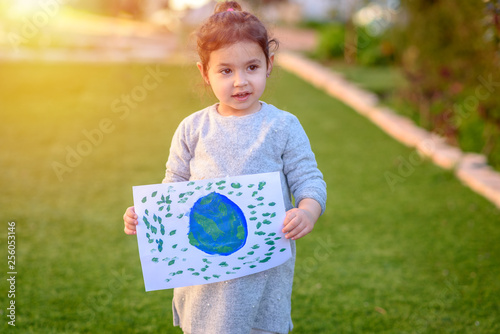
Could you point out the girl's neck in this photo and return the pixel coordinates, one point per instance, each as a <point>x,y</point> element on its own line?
<point>231,113</point>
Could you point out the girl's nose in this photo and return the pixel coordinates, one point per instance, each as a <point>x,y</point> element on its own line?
<point>240,80</point>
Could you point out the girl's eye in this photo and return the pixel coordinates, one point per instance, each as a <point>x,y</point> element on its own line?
<point>253,67</point>
<point>226,71</point>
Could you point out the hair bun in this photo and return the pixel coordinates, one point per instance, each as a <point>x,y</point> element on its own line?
<point>223,6</point>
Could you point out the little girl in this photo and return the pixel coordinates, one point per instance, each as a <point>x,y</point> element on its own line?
<point>242,135</point>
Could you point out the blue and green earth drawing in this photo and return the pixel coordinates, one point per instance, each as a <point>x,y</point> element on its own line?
<point>217,225</point>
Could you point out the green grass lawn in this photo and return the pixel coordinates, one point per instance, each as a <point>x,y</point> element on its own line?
<point>382,80</point>
<point>387,82</point>
<point>418,255</point>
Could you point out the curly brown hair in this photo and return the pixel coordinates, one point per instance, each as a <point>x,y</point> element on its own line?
<point>229,25</point>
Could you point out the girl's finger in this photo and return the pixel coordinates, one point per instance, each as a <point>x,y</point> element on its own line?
<point>305,231</point>
<point>292,223</point>
<point>293,232</point>
<point>129,231</point>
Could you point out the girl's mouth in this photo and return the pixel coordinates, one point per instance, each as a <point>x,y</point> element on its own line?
<point>241,96</point>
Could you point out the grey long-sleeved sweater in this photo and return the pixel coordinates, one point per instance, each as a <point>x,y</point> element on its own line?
<point>208,145</point>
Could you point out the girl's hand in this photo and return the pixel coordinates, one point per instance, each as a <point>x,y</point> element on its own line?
<point>130,221</point>
<point>300,221</point>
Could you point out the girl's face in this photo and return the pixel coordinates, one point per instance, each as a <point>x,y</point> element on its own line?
<point>237,75</point>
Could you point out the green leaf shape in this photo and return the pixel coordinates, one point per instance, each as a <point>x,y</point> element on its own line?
<point>145,220</point>
<point>209,226</point>
<point>265,260</point>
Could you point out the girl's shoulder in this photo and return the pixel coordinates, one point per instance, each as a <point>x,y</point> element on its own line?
<point>197,118</point>
<point>284,117</point>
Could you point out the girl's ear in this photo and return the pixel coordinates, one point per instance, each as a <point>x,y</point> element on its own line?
<point>202,72</point>
<point>270,66</point>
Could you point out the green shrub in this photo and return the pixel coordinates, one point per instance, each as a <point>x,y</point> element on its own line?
<point>369,49</point>
<point>373,50</point>
<point>331,42</point>
<point>450,56</point>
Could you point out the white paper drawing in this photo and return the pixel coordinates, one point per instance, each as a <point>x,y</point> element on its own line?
<point>207,231</point>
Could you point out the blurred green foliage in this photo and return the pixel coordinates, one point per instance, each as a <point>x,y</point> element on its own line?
<point>450,55</point>
<point>369,49</point>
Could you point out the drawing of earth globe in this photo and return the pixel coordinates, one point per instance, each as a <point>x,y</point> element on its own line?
<point>217,225</point>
